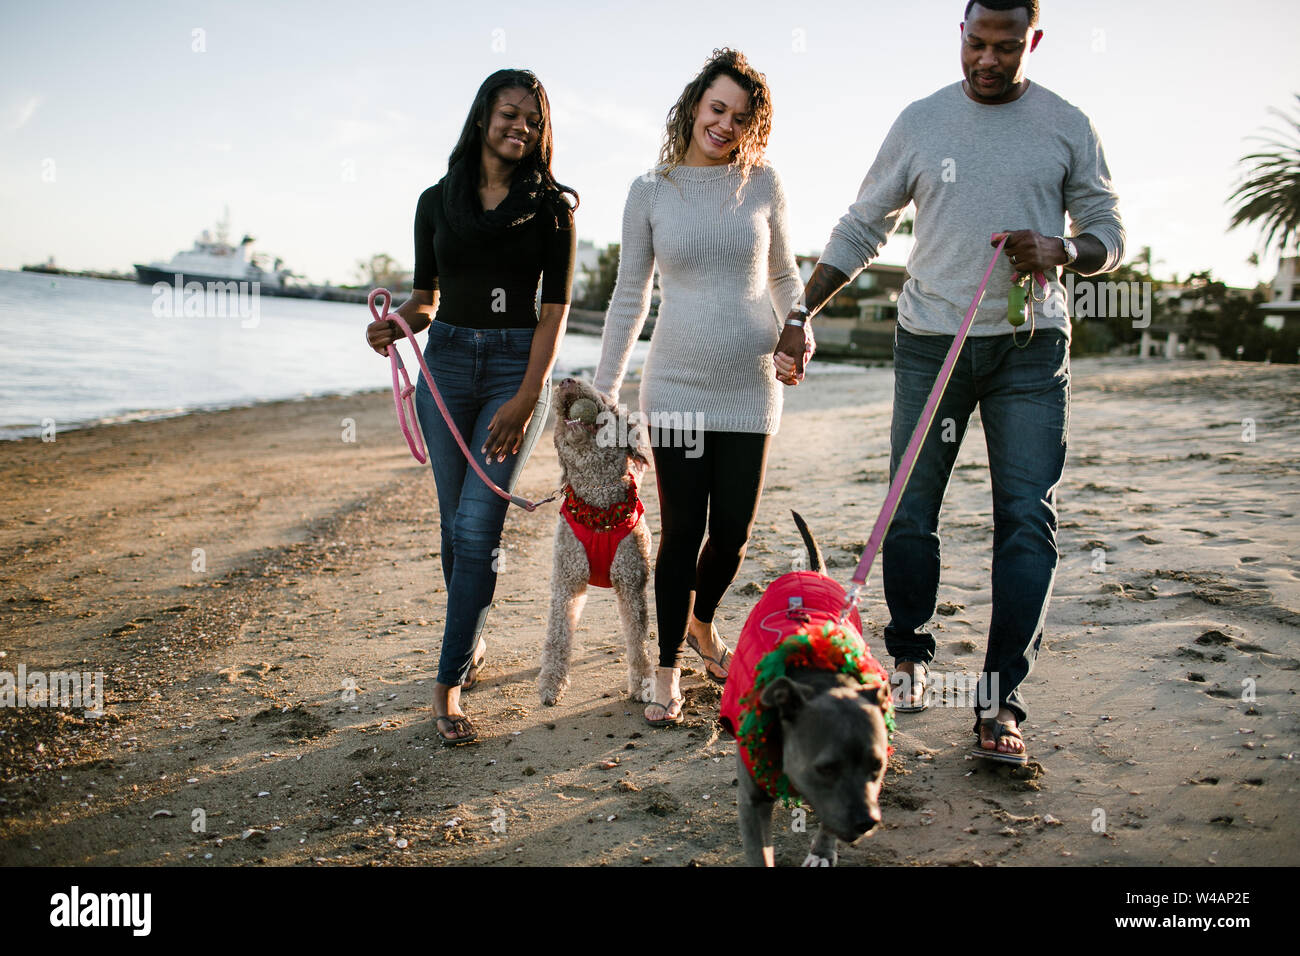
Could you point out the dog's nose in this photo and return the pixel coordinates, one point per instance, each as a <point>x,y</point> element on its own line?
<point>867,820</point>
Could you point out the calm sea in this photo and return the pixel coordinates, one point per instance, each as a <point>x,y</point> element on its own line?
<point>88,351</point>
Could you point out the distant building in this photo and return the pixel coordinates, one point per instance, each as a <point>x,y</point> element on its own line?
<point>589,256</point>
<point>873,294</point>
<point>1282,311</point>
<point>1172,337</point>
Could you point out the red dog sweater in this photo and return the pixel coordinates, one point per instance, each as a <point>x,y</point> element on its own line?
<point>794,624</point>
<point>601,530</point>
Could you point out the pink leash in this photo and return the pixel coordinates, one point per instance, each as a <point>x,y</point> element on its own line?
<point>403,390</point>
<point>913,451</point>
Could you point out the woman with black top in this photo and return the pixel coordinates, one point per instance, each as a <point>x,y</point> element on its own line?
<point>483,235</point>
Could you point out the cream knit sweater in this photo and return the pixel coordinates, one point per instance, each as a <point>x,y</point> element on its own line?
<point>727,277</point>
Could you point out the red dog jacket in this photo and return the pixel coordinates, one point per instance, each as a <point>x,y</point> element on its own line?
<point>601,530</point>
<point>801,601</point>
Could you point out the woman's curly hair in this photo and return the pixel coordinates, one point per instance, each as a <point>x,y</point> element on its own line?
<point>681,118</point>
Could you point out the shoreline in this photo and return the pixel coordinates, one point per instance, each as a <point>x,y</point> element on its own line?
<point>25,432</point>
<point>321,576</point>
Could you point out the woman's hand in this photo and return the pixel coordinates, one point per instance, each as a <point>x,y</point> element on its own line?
<point>417,311</point>
<point>382,333</point>
<point>789,355</point>
<point>506,430</point>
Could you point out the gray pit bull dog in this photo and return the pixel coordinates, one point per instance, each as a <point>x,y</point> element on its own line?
<point>834,746</point>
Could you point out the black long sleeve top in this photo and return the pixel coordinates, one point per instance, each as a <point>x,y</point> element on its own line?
<point>492,284</point>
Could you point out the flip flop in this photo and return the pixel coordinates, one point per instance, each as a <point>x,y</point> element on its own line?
<point>999,730</point>
<point>471,675</point>
<point>459,725</point>
<point>722,662</point>
<point>921,680</point>
<point>666,721</point>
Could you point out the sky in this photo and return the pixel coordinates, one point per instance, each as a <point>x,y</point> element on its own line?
<point>128,127</point>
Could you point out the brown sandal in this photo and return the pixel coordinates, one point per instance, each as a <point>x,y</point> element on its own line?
<point>460,725</point>
<point>723,661</point>
<point>1000,730</point>
<point>666,720</point>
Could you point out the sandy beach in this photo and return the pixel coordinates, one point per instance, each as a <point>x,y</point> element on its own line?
<point>265,601</point>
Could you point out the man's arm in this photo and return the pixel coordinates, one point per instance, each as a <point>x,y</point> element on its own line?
<point>789,353</point>
<point>854,242</point>
<point>1029,252</point>
<point>1093,205</point>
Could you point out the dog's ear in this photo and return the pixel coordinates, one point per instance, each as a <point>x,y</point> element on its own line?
<point>870,693</point>
<point>786,696</point>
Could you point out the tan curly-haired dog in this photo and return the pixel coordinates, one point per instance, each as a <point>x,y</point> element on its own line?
<point>601,537</point>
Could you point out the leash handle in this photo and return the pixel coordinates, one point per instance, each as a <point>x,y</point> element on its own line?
<point>908,461</point>
<point>403,390</point>
<point>402,394</point>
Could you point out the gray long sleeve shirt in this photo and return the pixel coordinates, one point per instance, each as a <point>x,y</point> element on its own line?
<point>728,277</point>
<point>974,170</point>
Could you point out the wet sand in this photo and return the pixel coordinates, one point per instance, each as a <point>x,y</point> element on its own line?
<point>265,598</point>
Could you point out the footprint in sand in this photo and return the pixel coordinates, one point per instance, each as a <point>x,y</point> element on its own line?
<point>246,672</point>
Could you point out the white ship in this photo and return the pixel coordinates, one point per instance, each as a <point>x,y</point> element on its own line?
<point>216,260</point>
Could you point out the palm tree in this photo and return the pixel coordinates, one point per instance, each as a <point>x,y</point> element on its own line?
<point>1270,192</point>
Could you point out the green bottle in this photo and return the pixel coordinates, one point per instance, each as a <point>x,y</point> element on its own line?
<point>1016,303</point>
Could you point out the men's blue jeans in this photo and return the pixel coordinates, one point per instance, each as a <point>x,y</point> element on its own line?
<point>1024,399</point>
<point>476,371</point>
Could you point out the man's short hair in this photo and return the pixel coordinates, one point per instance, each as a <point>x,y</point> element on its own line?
<point>1030,6</point>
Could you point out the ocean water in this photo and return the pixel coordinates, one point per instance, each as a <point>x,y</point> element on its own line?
<point>82,352</point>
<point>88,351</point>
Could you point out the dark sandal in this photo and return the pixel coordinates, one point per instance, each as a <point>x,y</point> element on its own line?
<point>1000,730</point>
<point>471,675</point>
<point>667,721</point>
<point>920,678</point>
<point>460,726</point>
<point>723,662</point>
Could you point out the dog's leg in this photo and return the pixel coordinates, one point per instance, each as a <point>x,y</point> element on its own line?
<point>630,575</point>
<point>568,595</point>
<point>823,850</point>
<point>553,679</point>
<point>755,819</point>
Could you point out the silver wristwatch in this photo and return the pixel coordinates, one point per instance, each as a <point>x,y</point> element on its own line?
<point>799,307</point>
<point>1071,250</point>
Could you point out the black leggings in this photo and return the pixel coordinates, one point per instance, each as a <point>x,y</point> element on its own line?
<point>721,477</point>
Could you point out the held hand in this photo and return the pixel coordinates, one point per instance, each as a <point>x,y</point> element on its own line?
<point>1030,252</point>
<point>789,355</point>
<point>382,333</point>
<point>506,430</point>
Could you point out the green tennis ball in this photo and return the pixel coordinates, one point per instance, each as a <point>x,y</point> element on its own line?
<point>584,410</point>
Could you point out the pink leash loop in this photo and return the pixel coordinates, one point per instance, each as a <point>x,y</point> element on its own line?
<point>402,395</point>
<point>403,390</point>
<point>908,461</point>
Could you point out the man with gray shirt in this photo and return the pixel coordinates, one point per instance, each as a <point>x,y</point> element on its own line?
<point>995,154</point>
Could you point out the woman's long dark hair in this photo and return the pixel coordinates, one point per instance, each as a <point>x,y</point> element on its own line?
<point>469,147</point>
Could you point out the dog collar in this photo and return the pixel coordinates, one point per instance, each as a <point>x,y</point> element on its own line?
<point>601,519</point>
<point>826,648</point>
